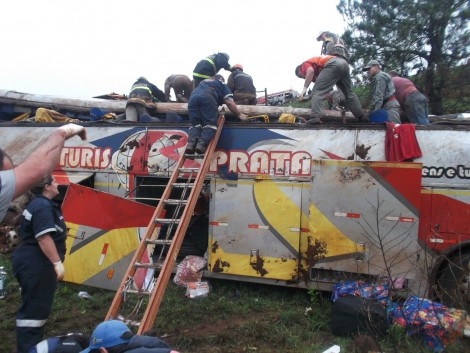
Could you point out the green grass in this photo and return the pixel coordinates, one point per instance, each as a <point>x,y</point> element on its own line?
<point>235,317</point>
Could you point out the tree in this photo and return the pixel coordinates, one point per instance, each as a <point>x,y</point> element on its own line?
<point>423,37</point>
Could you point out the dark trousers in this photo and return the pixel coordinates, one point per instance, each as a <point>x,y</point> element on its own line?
<point>38,283</point>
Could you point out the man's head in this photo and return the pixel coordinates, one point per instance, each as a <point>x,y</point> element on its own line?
<point>298,72</point>
<point>237,67</point>
<point>219,77</point>
<point>372,67</point>
<point>394,73</point>
<point>107,335</point>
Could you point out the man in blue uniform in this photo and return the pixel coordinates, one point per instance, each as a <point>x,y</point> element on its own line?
<point>203,110</point>
<point>208,67</point>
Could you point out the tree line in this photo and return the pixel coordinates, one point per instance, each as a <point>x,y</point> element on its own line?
<point>427,41</point>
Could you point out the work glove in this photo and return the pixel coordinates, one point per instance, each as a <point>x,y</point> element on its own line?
<point>243,117</point>
<point>72,130</point>
<point>304,90</point>
<point>59,270</point>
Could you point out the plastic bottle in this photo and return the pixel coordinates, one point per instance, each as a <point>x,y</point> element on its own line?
<point>3,282</point>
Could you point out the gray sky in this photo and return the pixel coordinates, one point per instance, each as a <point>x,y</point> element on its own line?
<point>87,48</point>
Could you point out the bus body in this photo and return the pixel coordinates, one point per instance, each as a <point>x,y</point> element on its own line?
<point>287,205</point>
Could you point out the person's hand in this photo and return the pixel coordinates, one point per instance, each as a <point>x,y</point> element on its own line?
<point>59,270</point>
<point>304,90</point>
<point>72,130</point>
<point>302,98</point>
<point>243,117</point>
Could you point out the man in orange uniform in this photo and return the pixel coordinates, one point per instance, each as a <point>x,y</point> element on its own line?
<point>327,71</point>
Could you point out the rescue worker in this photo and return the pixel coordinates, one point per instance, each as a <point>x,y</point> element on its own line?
<point>37,262</point>
<point>326,72</point>
<point>331,40</point>
<point>209,66</point>
<point>242,87</point>
<point>203,110</point>
<point>182,87</point>
<point>382,93</point>
<point>114,336</point>
<point>412,101</point>
<point>146,91</point>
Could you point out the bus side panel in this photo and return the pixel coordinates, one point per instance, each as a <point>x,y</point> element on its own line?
<point>363,222</point>
<point>255,228</point>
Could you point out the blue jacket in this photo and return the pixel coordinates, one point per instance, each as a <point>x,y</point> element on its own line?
<point>146,344</point>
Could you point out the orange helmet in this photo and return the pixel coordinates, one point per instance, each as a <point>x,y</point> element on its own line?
<point>238,66</point>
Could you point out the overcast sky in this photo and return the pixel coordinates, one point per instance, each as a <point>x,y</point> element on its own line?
<point>86,48</point>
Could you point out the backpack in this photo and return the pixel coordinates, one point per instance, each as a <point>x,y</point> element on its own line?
<point>341,51</point>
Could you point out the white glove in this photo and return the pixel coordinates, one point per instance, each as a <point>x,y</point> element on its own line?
<point>59,270</point>
<point>303,92</point>
<point>72,130</point>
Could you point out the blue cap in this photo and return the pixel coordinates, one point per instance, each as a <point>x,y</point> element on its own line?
<point>108,334</point>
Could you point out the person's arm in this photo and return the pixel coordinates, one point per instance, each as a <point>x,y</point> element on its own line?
<point>234,109</point>
<point>378,93</point>
<point>167,88</point>
<point>308,80</point>
<point>231,82</point>
<point>49,249</point>
<point>42,161</point>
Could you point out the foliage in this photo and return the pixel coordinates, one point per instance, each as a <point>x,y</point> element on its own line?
<point>235,317</point>
<point>428,38</point>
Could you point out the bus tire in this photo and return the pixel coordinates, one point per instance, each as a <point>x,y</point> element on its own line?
<point>454,282</point>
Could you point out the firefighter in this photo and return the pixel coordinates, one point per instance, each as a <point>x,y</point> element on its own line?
<point>203,110</point>
<point>242,87</point>
<point>209,66</point>
<point>142,92</point>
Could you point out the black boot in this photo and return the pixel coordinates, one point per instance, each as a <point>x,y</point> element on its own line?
<point>201,148</point>
<point>190,148</point>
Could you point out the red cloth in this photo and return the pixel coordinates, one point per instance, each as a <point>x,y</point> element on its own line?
<point>401,143</point>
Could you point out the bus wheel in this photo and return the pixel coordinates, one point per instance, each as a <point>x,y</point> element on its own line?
<point>454,282</point>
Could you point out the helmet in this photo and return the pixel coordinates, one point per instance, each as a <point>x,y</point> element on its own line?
<point>142,78</point>
<point>226,55</point>
<point>238,66</point>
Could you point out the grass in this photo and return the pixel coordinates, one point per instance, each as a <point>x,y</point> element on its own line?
<point>235,317</point>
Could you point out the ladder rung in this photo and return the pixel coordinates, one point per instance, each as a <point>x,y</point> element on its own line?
<point>175,202</point>
<point>167,220</point>
<point>159,241</point>
<point>183,185</point>
<point>189,170</point>
<point>156,266</point>
<point>135,291</point>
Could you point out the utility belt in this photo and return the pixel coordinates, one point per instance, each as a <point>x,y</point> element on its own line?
<point>392,97</point>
